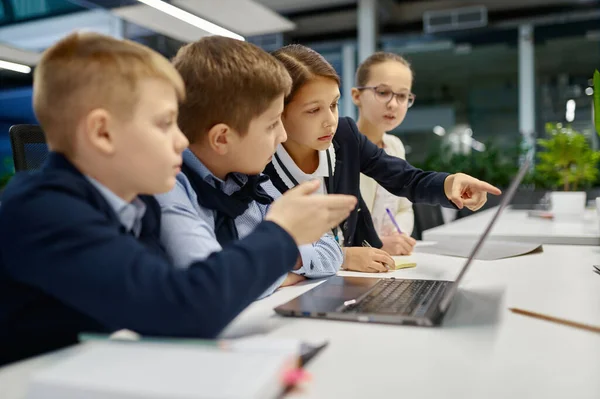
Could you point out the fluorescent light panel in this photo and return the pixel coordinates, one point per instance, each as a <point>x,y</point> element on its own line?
<point>191,18</point>
<point>14,67</point>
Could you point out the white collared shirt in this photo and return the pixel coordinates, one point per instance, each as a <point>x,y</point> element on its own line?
<point>320,173</point>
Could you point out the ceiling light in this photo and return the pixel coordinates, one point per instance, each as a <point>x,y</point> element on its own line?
<point>191,18</point>
<point>14,67</point>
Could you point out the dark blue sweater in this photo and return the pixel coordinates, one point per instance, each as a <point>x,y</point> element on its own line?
<point>67,266</point>
<point>355,154</point>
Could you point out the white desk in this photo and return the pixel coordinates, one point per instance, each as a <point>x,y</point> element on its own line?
<point>481,351</point>
<point>515,225</point>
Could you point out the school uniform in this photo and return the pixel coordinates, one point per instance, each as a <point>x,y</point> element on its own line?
<point>76,258</point>
<point>351,154</point>
<point>204,214</point>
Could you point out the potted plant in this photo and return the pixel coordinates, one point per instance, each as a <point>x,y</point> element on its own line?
<point>567,161</point>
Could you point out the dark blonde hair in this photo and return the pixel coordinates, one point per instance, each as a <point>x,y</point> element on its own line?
<point>228,81</point>
<point>304,64</point>
<point>85,71</point>
<point>364,70</point>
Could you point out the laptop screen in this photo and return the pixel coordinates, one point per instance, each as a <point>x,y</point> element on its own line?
<point>508,196</point>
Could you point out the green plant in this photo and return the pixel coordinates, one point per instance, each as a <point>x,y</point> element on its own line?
<point>566,161</point>
<point>9,172</point>
<point>496,165</point>
<point>597,100</point>
<point>4,179</point>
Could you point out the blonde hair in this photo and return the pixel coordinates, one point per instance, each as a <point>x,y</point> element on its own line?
<point>86,71</point>
<point>228,81</point>
<point>363,73</point>
<point>304,64</point>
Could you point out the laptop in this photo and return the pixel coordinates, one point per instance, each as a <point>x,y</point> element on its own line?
<point>390,300</point>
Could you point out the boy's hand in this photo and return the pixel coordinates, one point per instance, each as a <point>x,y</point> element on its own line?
<point>464,190</point>
<point>368,260</point>
<point>292,279</point>
<point>306,217</point>
<point>398,244</point>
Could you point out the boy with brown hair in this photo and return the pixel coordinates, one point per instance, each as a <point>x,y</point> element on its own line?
<point>232,118</point>
<point>80,244</point>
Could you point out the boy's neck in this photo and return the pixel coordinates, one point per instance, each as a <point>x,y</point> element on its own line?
<point>374,134</point>
<point>125,194</point>
<point>306,158</point>
<point>214,163</point>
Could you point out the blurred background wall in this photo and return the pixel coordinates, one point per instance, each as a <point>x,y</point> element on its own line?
<point>489,74</point>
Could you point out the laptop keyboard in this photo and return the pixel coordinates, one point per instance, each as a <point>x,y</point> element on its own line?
<point>397,296</point>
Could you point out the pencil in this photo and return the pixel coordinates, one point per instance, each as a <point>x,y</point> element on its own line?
<point>556,320</point>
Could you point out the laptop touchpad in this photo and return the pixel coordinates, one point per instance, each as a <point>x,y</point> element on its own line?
<point>331,294</point>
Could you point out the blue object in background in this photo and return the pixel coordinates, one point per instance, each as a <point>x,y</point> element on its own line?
<point>16,105</point>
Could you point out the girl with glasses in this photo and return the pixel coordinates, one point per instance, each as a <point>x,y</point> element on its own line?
<point>383,96</point>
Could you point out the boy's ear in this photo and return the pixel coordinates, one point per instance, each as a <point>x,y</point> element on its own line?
<point>220,138</point>
<point>356,96</point>
<point>97,130</point>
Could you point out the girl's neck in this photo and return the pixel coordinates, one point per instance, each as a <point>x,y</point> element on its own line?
<point>374,134</point>
<point>306,158</point>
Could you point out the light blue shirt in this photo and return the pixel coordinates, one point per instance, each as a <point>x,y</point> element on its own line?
<point>188,230</point>
<point>130,214</point>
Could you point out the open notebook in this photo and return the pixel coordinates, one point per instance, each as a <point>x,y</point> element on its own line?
<point>158,370</point>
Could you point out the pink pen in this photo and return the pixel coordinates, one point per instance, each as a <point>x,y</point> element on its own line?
<point>294,376</point>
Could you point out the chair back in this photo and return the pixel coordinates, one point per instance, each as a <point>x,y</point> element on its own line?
<point>29,147</point>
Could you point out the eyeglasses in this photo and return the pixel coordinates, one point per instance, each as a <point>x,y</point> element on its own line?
<point>385,94</point>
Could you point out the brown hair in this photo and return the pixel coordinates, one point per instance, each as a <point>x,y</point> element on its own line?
<point>228,81</point>
<point>303,64</point>
<point>364,69</point>
<point>85,71</point>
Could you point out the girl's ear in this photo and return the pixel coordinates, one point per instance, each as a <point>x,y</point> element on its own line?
<point>356,96</point>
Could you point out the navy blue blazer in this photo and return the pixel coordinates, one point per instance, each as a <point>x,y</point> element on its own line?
<point>355,154</point>
<point>67,266</point>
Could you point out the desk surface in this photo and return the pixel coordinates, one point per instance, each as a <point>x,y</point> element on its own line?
<point>516,225</point>
<point>481,351</point>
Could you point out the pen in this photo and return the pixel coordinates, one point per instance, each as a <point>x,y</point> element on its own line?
<point>393,219</point>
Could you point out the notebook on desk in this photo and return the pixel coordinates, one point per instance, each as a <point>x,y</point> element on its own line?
<point>119,370</point>
<point>404,262</point>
